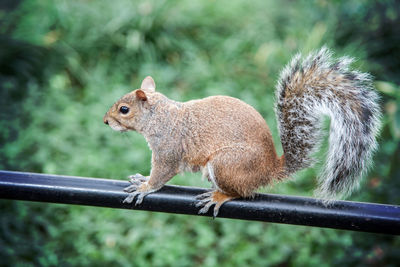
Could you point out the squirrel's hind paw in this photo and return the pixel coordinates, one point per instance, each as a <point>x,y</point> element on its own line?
<point>212,198</point>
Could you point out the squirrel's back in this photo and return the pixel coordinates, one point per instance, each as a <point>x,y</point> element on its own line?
<point>318,85</point>
<point>226,121</point>
<point>228,116</point>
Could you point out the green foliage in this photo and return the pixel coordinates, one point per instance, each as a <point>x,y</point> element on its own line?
<point>63,63</point>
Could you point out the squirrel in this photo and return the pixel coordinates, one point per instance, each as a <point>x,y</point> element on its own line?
<point>231,144</point>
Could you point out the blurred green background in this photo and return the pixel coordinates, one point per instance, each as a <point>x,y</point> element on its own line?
<point>63,64</point>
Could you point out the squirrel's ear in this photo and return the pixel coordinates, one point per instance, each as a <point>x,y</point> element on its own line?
<point>148,84</point>
<point>140,95</point>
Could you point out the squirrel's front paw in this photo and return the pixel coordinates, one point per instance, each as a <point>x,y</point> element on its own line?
<point>139,188</point>
<point>137,178</point>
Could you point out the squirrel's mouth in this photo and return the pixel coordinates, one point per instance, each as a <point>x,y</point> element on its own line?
<point>116,125</point>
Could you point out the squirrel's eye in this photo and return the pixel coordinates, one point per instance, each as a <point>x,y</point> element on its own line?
<point>124,109</point>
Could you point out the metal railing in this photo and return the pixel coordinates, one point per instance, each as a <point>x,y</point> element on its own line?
<point>367,217</point>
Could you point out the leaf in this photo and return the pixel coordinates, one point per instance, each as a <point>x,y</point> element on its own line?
<point>388,88</point>
<point>396,123</point>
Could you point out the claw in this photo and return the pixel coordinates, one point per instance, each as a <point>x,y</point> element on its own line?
<point>131,188</point>
<point>137,189</point>
<point>137,178</point>
<point>204,195</point>
<point>140,197</point>
<point>203,202</point>
<point>206,207</point>
<point>206,200</point>
<point>216,209</point>
<point>135,183</point>
<point>130,198</point>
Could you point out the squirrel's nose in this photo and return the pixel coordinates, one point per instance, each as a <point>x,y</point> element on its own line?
<point>105,121</point>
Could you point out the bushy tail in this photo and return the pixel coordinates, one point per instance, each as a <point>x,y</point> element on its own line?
<point>318,85</point>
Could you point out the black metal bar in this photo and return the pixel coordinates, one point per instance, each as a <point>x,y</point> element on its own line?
<point>367,217</point>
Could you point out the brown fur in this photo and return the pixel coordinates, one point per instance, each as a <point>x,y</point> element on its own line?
<point>222,131</point>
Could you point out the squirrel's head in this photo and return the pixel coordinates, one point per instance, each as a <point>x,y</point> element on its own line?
<point>129,111</point>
